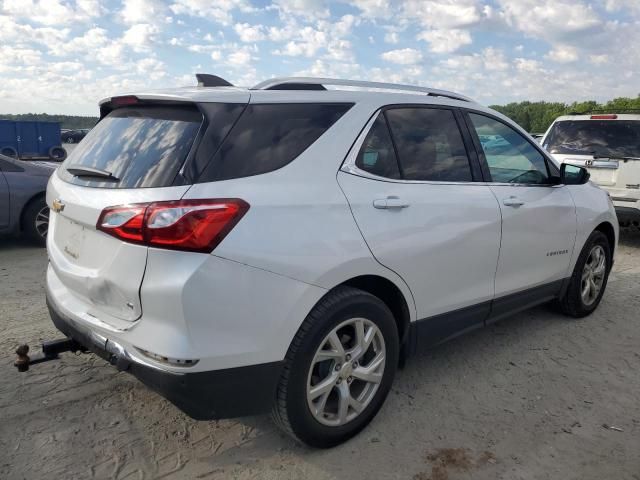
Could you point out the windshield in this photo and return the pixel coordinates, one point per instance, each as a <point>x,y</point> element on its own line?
<point>618,138</point>
<point>142,146</point>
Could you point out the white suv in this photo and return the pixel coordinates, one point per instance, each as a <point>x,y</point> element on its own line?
<point>608,145</point>
<point>285,247</point>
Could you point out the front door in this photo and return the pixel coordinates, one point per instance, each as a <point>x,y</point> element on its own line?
<point>538,215</point>
<point>422,215</point>
<point>4,200</point>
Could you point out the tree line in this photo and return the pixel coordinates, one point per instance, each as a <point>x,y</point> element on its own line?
<point>534,117</point>
<point>66,121</point>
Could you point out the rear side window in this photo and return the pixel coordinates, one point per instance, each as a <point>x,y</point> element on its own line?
<point>141,146</point>
<point>377,155</point>
<point>269,136</point>
<point>429,144</point>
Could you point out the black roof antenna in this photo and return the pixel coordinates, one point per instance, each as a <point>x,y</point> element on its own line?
<point>207,80</point>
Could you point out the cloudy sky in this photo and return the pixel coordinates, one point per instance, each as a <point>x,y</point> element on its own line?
<point>62,56</point>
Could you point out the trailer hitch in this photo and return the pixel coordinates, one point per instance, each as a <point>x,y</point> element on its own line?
<point>50,351</point>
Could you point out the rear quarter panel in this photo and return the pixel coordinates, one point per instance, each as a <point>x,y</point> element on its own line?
<point>299,223</point>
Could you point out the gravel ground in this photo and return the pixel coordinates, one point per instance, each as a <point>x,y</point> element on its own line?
<point>538,396</point>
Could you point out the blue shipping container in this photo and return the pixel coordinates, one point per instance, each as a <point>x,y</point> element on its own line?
<point>31,139</point>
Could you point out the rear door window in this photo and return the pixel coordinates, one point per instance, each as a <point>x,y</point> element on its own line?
<point>142,146</point>
<point>429,144</point>
<point>267,137</point>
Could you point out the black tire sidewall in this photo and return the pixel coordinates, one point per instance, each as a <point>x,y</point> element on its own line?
<point>302,422</point>
<point>28,219</point>
<point>574,299</point>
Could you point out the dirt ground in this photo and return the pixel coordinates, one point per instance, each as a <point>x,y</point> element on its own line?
<point>538,396</point>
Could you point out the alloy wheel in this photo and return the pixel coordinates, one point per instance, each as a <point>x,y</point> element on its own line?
<point>41,222</point>
<point>346,372</point>
<point>593,275</point>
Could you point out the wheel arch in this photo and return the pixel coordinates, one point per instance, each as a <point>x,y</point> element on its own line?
<point>610,233</point>
<point>391,295</point>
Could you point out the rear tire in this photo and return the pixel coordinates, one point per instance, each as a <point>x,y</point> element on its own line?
<point>354,376</point>
<point>57,154</point>
<point>589,279</point>
<point>35,221</point>
<point>9,152</point>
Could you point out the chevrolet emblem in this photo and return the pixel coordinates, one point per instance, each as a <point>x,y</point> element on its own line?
<point>57,205</point>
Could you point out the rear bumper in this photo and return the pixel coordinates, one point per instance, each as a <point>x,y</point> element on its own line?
<point>627,213</point>
<point>205,395</point>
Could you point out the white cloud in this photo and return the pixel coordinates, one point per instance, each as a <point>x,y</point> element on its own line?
<point>53,12</point>
<point>249,33</point>
<point>309,42</point>
<point>239,58</point>
<point>219,11</point>
<point>141,11</point>
<point>391,37</point>
<point>403,56</point>
<point>444,14</point>
<point>550,19</point>
<point>563,54</point>
<point>303,8</point>
<point>446,41</point>
<point>140,36</point>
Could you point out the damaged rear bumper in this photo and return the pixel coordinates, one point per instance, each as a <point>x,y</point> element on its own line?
<point>207,395</point>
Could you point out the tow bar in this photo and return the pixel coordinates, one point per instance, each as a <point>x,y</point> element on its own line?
<point>50,351</point>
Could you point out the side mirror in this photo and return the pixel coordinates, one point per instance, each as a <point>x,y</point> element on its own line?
<point>573,175</point>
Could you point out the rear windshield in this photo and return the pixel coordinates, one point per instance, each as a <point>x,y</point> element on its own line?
<point>619,138</point>
<point>269,136</point>
<point>142,146</point>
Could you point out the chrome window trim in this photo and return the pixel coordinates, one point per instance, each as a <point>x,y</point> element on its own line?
<point>349,166</point>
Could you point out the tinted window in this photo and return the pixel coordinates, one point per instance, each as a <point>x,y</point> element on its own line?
<point>510,156</point>
<point>141,146</point>
<point>377,155</point>
<point>429,144</point>
<point>619,138</point>
<point>267,137</point>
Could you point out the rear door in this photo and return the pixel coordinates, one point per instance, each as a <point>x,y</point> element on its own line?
<point>538,215</point>
<point>410,184</point>
<point>144,147</point>
<point>27,139</point>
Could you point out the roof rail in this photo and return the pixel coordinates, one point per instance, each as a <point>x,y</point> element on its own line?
<point>208,80</point>
<point>311,83</point>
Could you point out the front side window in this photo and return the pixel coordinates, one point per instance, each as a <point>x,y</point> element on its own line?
<point>511,158</point>
<point>377,155</point>
<point>429,144</point>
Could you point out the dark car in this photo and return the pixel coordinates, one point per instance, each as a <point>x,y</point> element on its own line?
<point>74,136</point>
<point>23,208</point>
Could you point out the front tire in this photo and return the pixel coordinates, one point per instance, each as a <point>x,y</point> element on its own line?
<point>35,221</point>
<point>338,370</point>
<point>589,279</point>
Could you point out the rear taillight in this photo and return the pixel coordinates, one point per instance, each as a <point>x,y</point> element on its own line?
<point>604,117</point>
<point>193,225</point>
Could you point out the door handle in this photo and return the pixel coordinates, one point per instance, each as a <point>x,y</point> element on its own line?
<point>512,201</point>
<point>390,202</point>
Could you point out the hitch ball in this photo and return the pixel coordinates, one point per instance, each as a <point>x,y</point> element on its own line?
<point>22,362</point>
